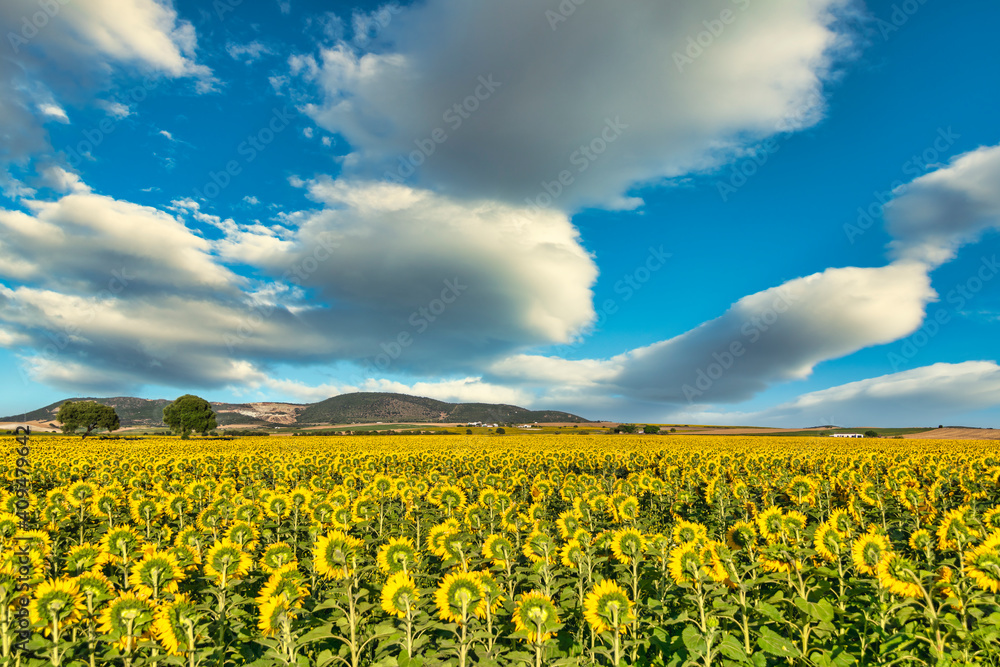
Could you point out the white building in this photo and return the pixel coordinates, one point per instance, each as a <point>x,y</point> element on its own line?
<point>847,435</point>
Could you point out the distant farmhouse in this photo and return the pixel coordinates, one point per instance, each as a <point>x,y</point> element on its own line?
<point>847,435</point>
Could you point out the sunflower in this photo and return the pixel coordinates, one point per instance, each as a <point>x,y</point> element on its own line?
<point>274,614</point>
<point>244,535</point>
<point>741,535</point>
<point>688,531</point>
<point>276,556</point>
<point>828,542</point>
<point>842,522</point>
<point>627,510</point>
<point>536,616</point>
<point>399,555</point>
<point>991,518</point>
<point>83,558</point>
<point>80,494</point>
<point>157,573</point>
<point>571,555</point>
<point>607,607</point>
<point>539,547</point>
<point>438,534</point>
<point>95,589</point>
<point>627,546</point>
<point>567,523</point>
<point>400,595</point>
<point>921,540</point>
<point>867,551</point>
<point>455,547</point>
<point>492,594</point>
<point>130,616</point>
<point>499,550</point>
<point>225,561</point>
<point>770,523</point>
<point>982,564</point>
<point>793,523</point>
<point>712,554</point>
<point>120,543</point>
<point>285,581</point>
<point>954,532</point>
<point>174,625</point>
<point>459,596</point>
<point>336,554</point>
<point>898,575</point>
<point>56,602</point>
<point>685,563</point>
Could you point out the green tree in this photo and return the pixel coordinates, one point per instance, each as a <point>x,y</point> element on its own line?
<point>651,429</point>
<point>628,428</point>
<point>189,413</point>
<point>501,431</point>
<point>871,434</point>
<point>88,415</point>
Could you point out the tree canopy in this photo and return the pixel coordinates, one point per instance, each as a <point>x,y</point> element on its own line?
<point>189,413</point>
<point>87,415</point>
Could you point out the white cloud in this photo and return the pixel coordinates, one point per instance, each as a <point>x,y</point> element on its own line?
<point>117,109</point>
<point>939,212</point>
<point>561,87</point>
<point>53,111</point>
<point>247,53</point>
<point>94,235</point>
<point>147,298</point>
<point>250,199</point>
<point>773,336</point>
<point>920,397</point>
<point>164,133</point>
<point>61,180</point>
<point>77,52</point>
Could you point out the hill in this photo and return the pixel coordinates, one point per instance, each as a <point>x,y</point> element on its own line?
<point>365,407</point>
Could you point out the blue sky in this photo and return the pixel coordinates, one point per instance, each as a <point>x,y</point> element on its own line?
<point>732,211</point>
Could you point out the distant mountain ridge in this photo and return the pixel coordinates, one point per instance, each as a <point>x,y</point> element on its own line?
<point>362,407</point>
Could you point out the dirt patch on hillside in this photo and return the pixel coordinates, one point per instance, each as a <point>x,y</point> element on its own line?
<point>744,431</point>
<point>957,434</point>
<point>42,426</point>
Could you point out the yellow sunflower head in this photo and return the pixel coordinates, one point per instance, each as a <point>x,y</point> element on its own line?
<point>336,555</point>
<point>458,597</point>
<point>628,546</point>
<point>128,616</point>
<point>535,617</point>
<point>400,595</point>
<point>175,625</point>
<point>226,561</point>
<point>607,607</point>
<point>867,551</point>
<point>56,601</point>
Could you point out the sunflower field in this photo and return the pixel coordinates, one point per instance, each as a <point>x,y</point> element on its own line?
<point>486,550</point>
